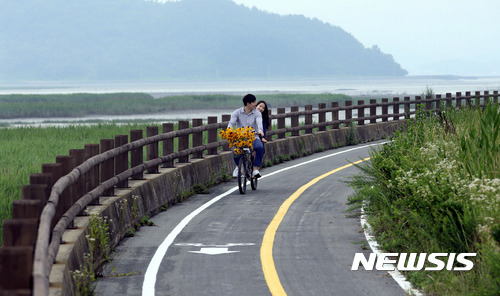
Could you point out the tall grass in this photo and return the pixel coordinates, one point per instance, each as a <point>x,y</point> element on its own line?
<point>436,188</point>
<point>25,149</point>
<point>77,105</point>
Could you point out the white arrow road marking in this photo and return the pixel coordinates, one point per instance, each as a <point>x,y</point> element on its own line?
<point>214,251</point>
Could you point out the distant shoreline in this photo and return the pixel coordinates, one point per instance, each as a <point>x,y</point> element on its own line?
<point>237,93</point>
<point>355,87</point>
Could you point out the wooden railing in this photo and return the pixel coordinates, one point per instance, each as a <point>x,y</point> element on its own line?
<point>48,207</point>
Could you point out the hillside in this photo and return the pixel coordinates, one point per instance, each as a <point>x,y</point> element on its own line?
<point>190,39</point>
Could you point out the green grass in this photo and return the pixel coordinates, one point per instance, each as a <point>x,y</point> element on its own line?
<point>77,105</point>
<point>436,188</point>
<point>25,149</point>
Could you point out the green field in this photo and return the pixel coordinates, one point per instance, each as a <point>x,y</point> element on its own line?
<point>436,189</point>
<point>78,105</point>
<point>24,150</point>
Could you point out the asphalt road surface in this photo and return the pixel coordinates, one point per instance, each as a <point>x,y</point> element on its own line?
<point>289,237</point>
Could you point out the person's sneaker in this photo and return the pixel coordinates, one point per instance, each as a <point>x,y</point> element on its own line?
<point>235,173</point>
<point>256,174</point>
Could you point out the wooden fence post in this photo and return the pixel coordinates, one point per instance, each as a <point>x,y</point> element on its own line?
<point>16,265</point>
<point>418,105</point>
<point>281,123</point>
<point>322,116</point>
<point>348,113</point>
<point>270,127</point>
<point>428,105</point>
<point>121,161</point>
<point>168,144</point>
<point>136,155</point>
<point>407,107</point>
<point>335,115</point>
<point>395,108</point>
<point>225,118</point>
<point>495,97</point>
<point>361,112</point>
<point>152,149</point>
<point>16,256</point>
<point>92,176</point>
<point>295,120</point>
<point>108,166</point>
<point>385,109</point>
<point>373,111</point>
<point>35,192</point>
<point>27,208</point>
<point>20,232</point>
<point>43,179</point>
<point>449,104</point>
<point>197,137</point>
<point>477,99</point>
<point>67,198</point>
<point>458,103</point>
<point>183,141</point>
<point>467,99</point>
<point>79,186</point>
<point>55,170</point>
<point>22,229</point>
<point>308,119</point>
<point>486,97</point>
<point>212,134</point>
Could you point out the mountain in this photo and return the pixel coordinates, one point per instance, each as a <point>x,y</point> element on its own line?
<point>189,39</point>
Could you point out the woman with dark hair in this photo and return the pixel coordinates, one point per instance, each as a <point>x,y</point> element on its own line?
<point>266,122</point>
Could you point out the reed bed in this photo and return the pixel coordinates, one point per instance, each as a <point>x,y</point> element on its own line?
<point>84,104</point>
<point>25,149</point>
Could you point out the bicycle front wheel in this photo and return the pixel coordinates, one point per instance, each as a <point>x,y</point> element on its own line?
<point>242,175</point>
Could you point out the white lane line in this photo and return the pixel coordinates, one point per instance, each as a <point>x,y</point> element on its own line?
<point>148,286</point>
<point>396,275</point>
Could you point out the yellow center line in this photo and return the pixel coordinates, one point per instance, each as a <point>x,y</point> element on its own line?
<point>266,249</point>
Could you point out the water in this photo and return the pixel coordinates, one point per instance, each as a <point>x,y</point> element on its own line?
<point>173,116</point>
<point>355,87</point>
<point>375,87</point>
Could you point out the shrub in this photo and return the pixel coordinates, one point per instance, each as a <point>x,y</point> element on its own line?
<point>429,190</point>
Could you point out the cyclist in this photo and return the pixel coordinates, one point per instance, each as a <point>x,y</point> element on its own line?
<point>249,116</point>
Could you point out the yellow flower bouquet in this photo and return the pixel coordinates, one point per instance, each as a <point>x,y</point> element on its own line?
<point>239,138</point>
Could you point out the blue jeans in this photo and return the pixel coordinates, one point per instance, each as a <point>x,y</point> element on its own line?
<point>258,147</point>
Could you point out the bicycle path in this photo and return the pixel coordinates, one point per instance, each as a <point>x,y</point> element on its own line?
<point>214,244</point>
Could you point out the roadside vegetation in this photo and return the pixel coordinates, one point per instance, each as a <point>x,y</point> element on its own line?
<point>436,189</point>
<point>84,104</point>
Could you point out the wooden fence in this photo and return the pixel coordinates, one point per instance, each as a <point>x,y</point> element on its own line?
<point>62,190</point>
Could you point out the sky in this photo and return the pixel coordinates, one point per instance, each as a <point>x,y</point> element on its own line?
<point>457,37</point>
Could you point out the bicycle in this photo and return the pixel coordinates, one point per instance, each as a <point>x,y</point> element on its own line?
<point>245,169</point>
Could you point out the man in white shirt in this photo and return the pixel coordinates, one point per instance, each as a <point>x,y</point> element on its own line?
<point>249,116</point>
